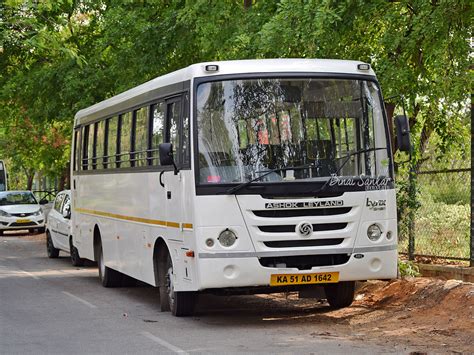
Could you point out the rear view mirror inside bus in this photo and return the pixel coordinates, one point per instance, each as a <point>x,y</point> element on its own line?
<point>166,154</point>
<point>403,133</point>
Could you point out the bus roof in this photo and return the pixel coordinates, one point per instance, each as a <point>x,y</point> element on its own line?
<point>176,80</point>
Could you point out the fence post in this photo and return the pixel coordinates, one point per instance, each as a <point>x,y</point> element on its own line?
<point>411,212</point>
<point>471,263</point>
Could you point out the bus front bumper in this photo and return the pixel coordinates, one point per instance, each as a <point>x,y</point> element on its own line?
<point>225,271</point>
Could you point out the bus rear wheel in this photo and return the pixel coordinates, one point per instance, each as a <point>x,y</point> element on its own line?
<point>108,277</point>
<point>181,304</point>
<point>341,294</point>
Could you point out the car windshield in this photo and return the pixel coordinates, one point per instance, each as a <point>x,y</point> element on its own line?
<point>17,198</point>
<point>318,126</point>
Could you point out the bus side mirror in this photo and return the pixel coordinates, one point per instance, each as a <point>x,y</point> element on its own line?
<point>166,155</point>
<point>403,133</point>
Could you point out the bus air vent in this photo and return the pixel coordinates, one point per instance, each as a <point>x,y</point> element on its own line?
<point>303,243</point>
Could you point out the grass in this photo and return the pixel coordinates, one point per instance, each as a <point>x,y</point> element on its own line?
<point>442,223</point>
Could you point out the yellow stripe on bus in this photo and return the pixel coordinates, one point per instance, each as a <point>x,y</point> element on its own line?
<point>135,219</point>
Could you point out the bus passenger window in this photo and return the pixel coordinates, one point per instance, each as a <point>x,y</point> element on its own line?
<point>91,142</point>
<point>141,141</point>
<point>111,143</point>
<point>125,135</point>
<point>85,144</point>
<point>99,145</point>
<point>157,132</point>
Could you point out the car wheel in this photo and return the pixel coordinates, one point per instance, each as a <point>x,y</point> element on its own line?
<point>340,295</point>
<point>76,260</point>
<point>108,277</point>
<point>53,253</point>
<point>180,303</point>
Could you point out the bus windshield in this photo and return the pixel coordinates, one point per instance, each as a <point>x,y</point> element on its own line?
<point>303,128</point>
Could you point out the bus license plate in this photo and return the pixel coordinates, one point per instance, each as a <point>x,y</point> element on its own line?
<point>23,221</point>
<point>304,279</point>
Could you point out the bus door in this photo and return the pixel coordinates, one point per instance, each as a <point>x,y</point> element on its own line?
<point>174,183</point>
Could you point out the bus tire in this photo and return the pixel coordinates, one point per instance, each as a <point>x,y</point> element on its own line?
<point>108,277</point>
<point>181,304</point>
<point>340,295</point>
<point>52,252</point>
<point>76,260</point>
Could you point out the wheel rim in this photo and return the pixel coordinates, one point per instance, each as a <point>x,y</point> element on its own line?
<point>169,284</point>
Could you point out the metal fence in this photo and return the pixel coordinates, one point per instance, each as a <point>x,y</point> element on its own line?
<point>440,225</point>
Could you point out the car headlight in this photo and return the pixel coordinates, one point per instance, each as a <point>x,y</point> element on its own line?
<point>38,213</point>
<point>227,238</point>
<point>374,232</point>
<point>4,214</point>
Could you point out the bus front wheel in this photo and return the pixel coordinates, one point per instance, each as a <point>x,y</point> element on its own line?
<point>181,304</point>
<point>341,294</point>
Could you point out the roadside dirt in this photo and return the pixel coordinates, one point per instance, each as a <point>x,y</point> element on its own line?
<point>424,313</point>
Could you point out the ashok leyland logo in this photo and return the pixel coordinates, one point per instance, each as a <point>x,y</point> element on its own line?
<point>304,229</point>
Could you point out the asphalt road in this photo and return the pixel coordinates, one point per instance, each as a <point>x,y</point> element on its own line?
<point>49,306</point>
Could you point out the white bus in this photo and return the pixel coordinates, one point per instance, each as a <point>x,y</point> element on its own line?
<point>239,176</point>
<point>3,176</point>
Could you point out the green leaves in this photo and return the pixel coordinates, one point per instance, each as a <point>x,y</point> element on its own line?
<point>57,57</point>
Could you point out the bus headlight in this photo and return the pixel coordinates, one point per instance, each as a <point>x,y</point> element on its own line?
<point>374,232</point>
<point>227,238</point>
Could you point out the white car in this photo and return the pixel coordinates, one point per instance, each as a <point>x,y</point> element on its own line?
<point>58,229</point>
<point>19,210</point>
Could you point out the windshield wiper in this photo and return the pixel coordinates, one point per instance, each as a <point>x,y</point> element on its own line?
<point>247,183</point>
<point>348,157</point>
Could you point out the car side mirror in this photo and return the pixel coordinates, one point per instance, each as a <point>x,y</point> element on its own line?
<point>43,201</point>
<point>403,133</point>
<point>166,155</point>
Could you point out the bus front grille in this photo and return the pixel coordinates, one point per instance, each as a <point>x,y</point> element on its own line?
<point>305,212</point>
<point>320,227</point>
<point>303,243</point>
<point>304,262</point>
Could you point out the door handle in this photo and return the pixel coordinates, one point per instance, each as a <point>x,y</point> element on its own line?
<point>161,180</point>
